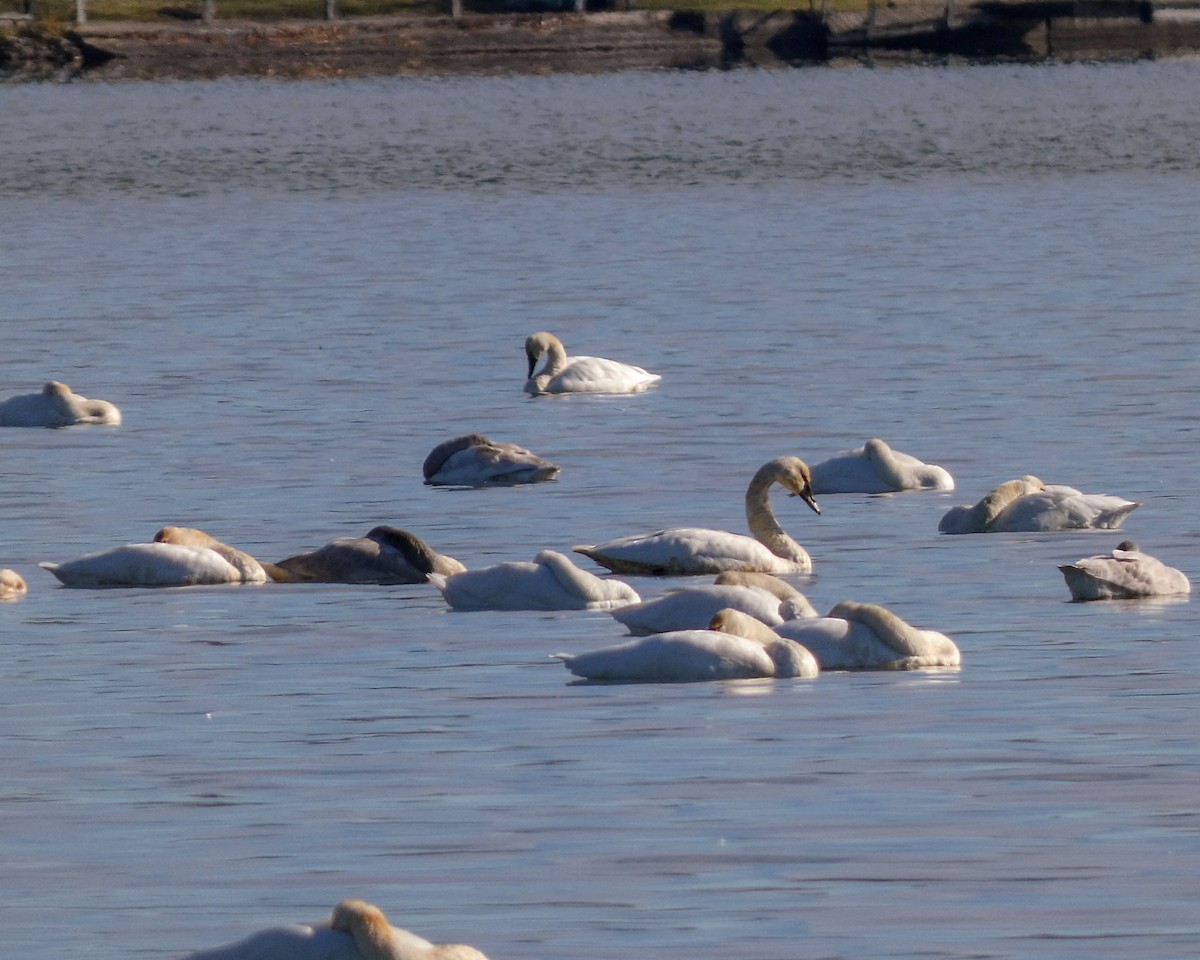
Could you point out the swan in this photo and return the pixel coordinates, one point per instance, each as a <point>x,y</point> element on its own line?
<point>759,595</point>
<point>384,555</point>
<point>356,931</point>
<point>476,461</point>
<point>865,636</point>
<point>1124,574</point>
<point>12,585</point>
<point>550,582</point>
<point>56,406</point>
<point>877,468</point>
<point>251,570</point>
<point>1027,505</point>
<point>693,550</point>
<point>580,374</point>
<point>735,647</point>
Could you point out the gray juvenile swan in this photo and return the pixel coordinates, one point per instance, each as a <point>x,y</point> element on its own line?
<point>877,468</point>
<point>1124,574</point>
<point>550,582</point>
<point>1028,505</point>
<point>356,931</point>
<point>476,461</point>
<point>696,550</point>
<point>384,555</point>
<point>56,406</point>
<point>579,374</point>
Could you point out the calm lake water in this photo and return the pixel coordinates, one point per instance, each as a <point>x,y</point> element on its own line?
<point>294,291</point>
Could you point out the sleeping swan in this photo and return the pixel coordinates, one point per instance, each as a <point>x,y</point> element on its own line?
<point>476,461</point>
<point>56,406</point>
<point>384,555</point>
<point>12,585</point>
<point>864,636</point>
<point>1124,574</point>
<point>877,468</point>
<point>178,557</point>
<point>735,647</point>
<point>580,374</point>
<point>759,595</point>
<point>693,550</point>
<point>1027,505</point>
<point>357,931</point>
<point>550,582</point>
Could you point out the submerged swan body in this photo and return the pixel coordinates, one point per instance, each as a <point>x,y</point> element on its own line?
<point>877,468</point>
<point>865,636</point>
<point>692,608</point>
<point>1027,505</point>
<point>1124,574</point>
<point>476,461</point>
<point>550,582</point>
<point>12,585</point>
<point>56,406</point>
<point>696,550</point>
<point>563,374</point>
<point>356,931</point>
<point>384,555</point>
<point>736,647</point>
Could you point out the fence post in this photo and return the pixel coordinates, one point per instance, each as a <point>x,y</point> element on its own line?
<point>331,10</point>
<point>81,11</point>
<point>456,8</point>
<point>209,13</point>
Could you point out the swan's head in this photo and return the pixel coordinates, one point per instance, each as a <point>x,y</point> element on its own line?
<point>796,478</point>
<point>414,550</point>
<point>537,344</point>
<point>1128,545</point>
<point>56,389</point>
<point>444,451</point>
<point>12,585</point>
<point>186,537</point>
<point>368,926</point>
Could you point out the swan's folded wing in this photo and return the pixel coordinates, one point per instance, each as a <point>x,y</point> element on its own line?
<point>286,943</point>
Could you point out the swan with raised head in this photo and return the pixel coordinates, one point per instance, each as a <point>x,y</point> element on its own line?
<point>759,595</point>
<point>385,555</point>
<point>563,374</point>
<point>12,585</point>
<point>56,406</point>
<point>877,468</point>
<point>1026,505</point>
<point>1125,574</point>
<point>476,461</point>
<point>178,557</point>
<point>697,550</point>
<point>866,636</point>
<point>357,931</point>
<point>734,647</point>
<point>550,582</point>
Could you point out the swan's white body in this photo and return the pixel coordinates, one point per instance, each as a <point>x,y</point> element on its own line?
<point>1124,574</point>
<point>149,565</point>
<point>476,461</point>
<point>550,582</point>
<point>384,555</point>
<point>697,550</point>
<point>863,636</point>
<point>692,608</point>
<point>56,406</point>
<point>12,585</point>
<point>563,374</point>
<point>357,931</point>
<point>1027,505</point>
<point>738,648</point>
<point>877,468</point>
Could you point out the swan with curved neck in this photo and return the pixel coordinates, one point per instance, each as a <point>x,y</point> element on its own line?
<point>249,569</point>
<point>385,555</point>
<point>1028,505</point>
<point>563,374</point>
<point>1125,574</point>
<point>56,406</point>
<point>866,636</point>
<point>877,468</point>
<point>476,461</point>
<point>697,550</point>
<point>550,582</point>
<point>12,585</point>
<point>759,595</point>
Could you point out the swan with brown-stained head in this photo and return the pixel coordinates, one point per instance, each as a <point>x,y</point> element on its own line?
<point>1027,505</point>
<point>563,374</point>
<point>12,585</point>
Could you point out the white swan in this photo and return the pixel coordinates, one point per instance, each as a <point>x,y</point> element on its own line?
<point>694,550</point>
<point>1124,574</point>
<point>476,461</point>
<point>178,557</point>
<point>1027,505</point>
<point>384,555</point>
<point>56,406</point>
<point>356,931</point>
<point>877,468</point>
<point>865,636</point>
<point>580,374</point>
<point>12,585</point>
<point>759,595</point>
<point>550,582</point>
<point>735,647</point>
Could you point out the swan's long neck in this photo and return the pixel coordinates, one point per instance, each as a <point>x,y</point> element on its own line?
<point>902,637</point>
<point>989,508</point>
<point>569,576</point>
<point>374,937</point>
<point>549,346</point>
<point>884,461</point>
<point>760,518</point>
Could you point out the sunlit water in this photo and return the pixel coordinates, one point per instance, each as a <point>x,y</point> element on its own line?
<point>294,291</point>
